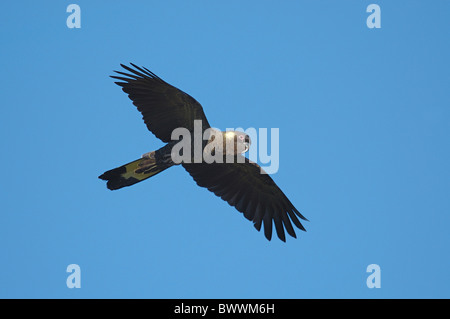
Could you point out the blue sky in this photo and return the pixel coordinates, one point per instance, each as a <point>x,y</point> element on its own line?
<point>363,116</point>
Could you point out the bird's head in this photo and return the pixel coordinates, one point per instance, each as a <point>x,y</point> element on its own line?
<point>240,140</point>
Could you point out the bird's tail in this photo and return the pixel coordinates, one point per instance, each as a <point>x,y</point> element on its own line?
<point>133,172</point>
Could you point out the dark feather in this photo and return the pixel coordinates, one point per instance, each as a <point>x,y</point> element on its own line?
<point>163,106</point>
<point>254,194</point>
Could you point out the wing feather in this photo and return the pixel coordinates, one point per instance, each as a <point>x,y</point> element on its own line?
<point>163,106</point>
<point>252,193</point>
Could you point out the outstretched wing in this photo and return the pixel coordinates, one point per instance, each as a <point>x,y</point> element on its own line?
<point>163,106</point>
<point>254,194</point>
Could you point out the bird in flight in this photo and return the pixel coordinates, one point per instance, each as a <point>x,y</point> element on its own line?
<point>240,182</point>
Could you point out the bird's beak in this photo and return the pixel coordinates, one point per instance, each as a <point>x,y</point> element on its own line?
<point>247,147</point>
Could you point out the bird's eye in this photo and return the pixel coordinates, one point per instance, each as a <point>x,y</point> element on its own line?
<point>241,137</point>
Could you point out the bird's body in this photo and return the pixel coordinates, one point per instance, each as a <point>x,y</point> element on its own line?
<point>213,158</point>
<point>226,146</point>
